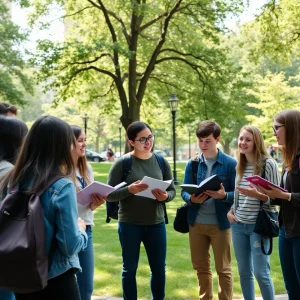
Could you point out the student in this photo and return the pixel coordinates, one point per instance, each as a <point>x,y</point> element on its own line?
<point>46,153</point>
<point>207,213</point>
<point>141,219</point>
<point>253,159</point>
<point>84,176</point>
<point>12,132</point>
<point>287,132</point>
<point>8,110</point>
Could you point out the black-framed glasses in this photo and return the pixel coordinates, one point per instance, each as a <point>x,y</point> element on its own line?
<point>144,140</point>
<point>276,127</point>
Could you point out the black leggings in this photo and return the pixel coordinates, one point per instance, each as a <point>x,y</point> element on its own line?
<point>62,287</point>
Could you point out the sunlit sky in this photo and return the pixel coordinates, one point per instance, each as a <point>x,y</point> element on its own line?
<point>56,31</point>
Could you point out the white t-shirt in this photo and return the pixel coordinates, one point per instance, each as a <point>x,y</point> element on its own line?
<point>84,212</point>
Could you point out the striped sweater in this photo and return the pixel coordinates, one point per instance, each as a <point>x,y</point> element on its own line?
<point>246,208</point>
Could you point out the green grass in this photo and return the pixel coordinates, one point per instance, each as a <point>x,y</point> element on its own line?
<point>181,278</point>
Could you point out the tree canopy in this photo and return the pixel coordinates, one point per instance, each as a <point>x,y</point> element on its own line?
<point>120,52</point>
<point>13,80</point>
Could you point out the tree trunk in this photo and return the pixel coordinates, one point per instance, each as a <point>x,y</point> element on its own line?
<point>226,144</point>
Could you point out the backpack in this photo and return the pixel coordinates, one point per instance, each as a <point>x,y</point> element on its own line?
<point>23,254</point>
<point>180,223</point>
<point>112,208</point>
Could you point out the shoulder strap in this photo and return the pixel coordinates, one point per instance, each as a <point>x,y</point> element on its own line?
<point>126,165</point>
<point>42,190</point>
<point>161,163</point>
<point>51,181</point>
<point>263,175</point>
<point>195,164</point>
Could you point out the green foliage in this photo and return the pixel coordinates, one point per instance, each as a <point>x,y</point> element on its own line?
<point>279,30</point>
<point>13,80</point>
<point>120,52</point>
<point>273,93</point>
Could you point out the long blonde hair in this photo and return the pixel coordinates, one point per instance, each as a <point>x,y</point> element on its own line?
<point>260,153</point>
<point>291,120</point>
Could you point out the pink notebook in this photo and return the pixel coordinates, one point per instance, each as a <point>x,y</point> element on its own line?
<point>257,180</point>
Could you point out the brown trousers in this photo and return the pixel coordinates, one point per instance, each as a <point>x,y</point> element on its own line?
<point>201,237</point>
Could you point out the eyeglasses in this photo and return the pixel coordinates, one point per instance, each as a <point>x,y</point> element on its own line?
<point>144,140</point>
<point>276,127</point>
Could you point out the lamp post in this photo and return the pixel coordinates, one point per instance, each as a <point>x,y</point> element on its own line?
<point>173,102</point>
<point>120,128</point>
<point>85,119</point>
<point>189,129</point>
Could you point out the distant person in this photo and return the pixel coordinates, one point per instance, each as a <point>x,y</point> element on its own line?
<point>207,214</point>
<point>8,110</point>
<point>110,155</point>
<point>273,152</point>
<point>286,128</point>
<point>46,153</point>
<point>84,176</point>
<point>253,159</point>
<point>141,219</point>
<point>12,133</point>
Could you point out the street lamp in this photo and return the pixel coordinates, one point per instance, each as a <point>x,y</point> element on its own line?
<point>120,128</point>
<point>189,129</point>
<point>85,119</point>
<point>173,101</point>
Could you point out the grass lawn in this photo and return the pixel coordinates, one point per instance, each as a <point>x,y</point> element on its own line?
<point>181,278</point>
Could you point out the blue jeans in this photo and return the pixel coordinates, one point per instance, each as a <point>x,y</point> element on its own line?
<point>85,278</point>
<point>251,261</point>
<point>6,295</point>
<point>154,239</point>
<point>289,253</point>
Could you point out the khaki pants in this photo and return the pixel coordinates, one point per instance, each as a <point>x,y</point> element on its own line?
<point>201,237</point>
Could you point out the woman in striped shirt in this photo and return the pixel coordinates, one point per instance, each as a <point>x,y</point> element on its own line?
<point>253,159</point>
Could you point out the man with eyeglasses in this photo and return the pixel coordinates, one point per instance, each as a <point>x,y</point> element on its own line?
<point>207,215</point>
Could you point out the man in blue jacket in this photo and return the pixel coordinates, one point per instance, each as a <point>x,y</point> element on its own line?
<point>207,214</point>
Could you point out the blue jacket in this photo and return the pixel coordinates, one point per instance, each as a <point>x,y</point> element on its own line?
<point>60,214</point>
<point>224,167</point>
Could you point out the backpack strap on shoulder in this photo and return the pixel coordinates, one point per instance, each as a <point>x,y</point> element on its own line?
<point>126,165</point>
<point>161,163</point>
<point>195,163</point>
<point>263,173</point>
<point>51,181</point>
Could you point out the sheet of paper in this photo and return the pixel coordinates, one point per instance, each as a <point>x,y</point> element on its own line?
<point>153,184</point>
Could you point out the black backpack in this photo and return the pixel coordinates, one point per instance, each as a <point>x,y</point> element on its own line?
<point>112,208</point>
<point>23,255</point>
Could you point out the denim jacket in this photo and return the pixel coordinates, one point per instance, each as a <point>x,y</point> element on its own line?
<point>224,167</point>
<point>62,231</point>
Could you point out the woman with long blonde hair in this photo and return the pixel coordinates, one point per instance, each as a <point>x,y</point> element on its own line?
<point>253,159</point>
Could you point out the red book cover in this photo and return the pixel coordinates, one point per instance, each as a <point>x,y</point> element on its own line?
<point>259,181</point>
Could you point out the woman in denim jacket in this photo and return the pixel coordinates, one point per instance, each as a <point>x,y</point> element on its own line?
<point>84,176</point>
<point>287,132</point>
<point>46,153</point>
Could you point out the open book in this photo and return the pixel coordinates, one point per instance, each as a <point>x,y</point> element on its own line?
<point>153,184</point>
<point>84,196</point>
<point>211,183</point>
<point>259,181</point>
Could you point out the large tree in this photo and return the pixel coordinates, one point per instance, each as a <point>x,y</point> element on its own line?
<point>122,47</point>
<point>13,81</point>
